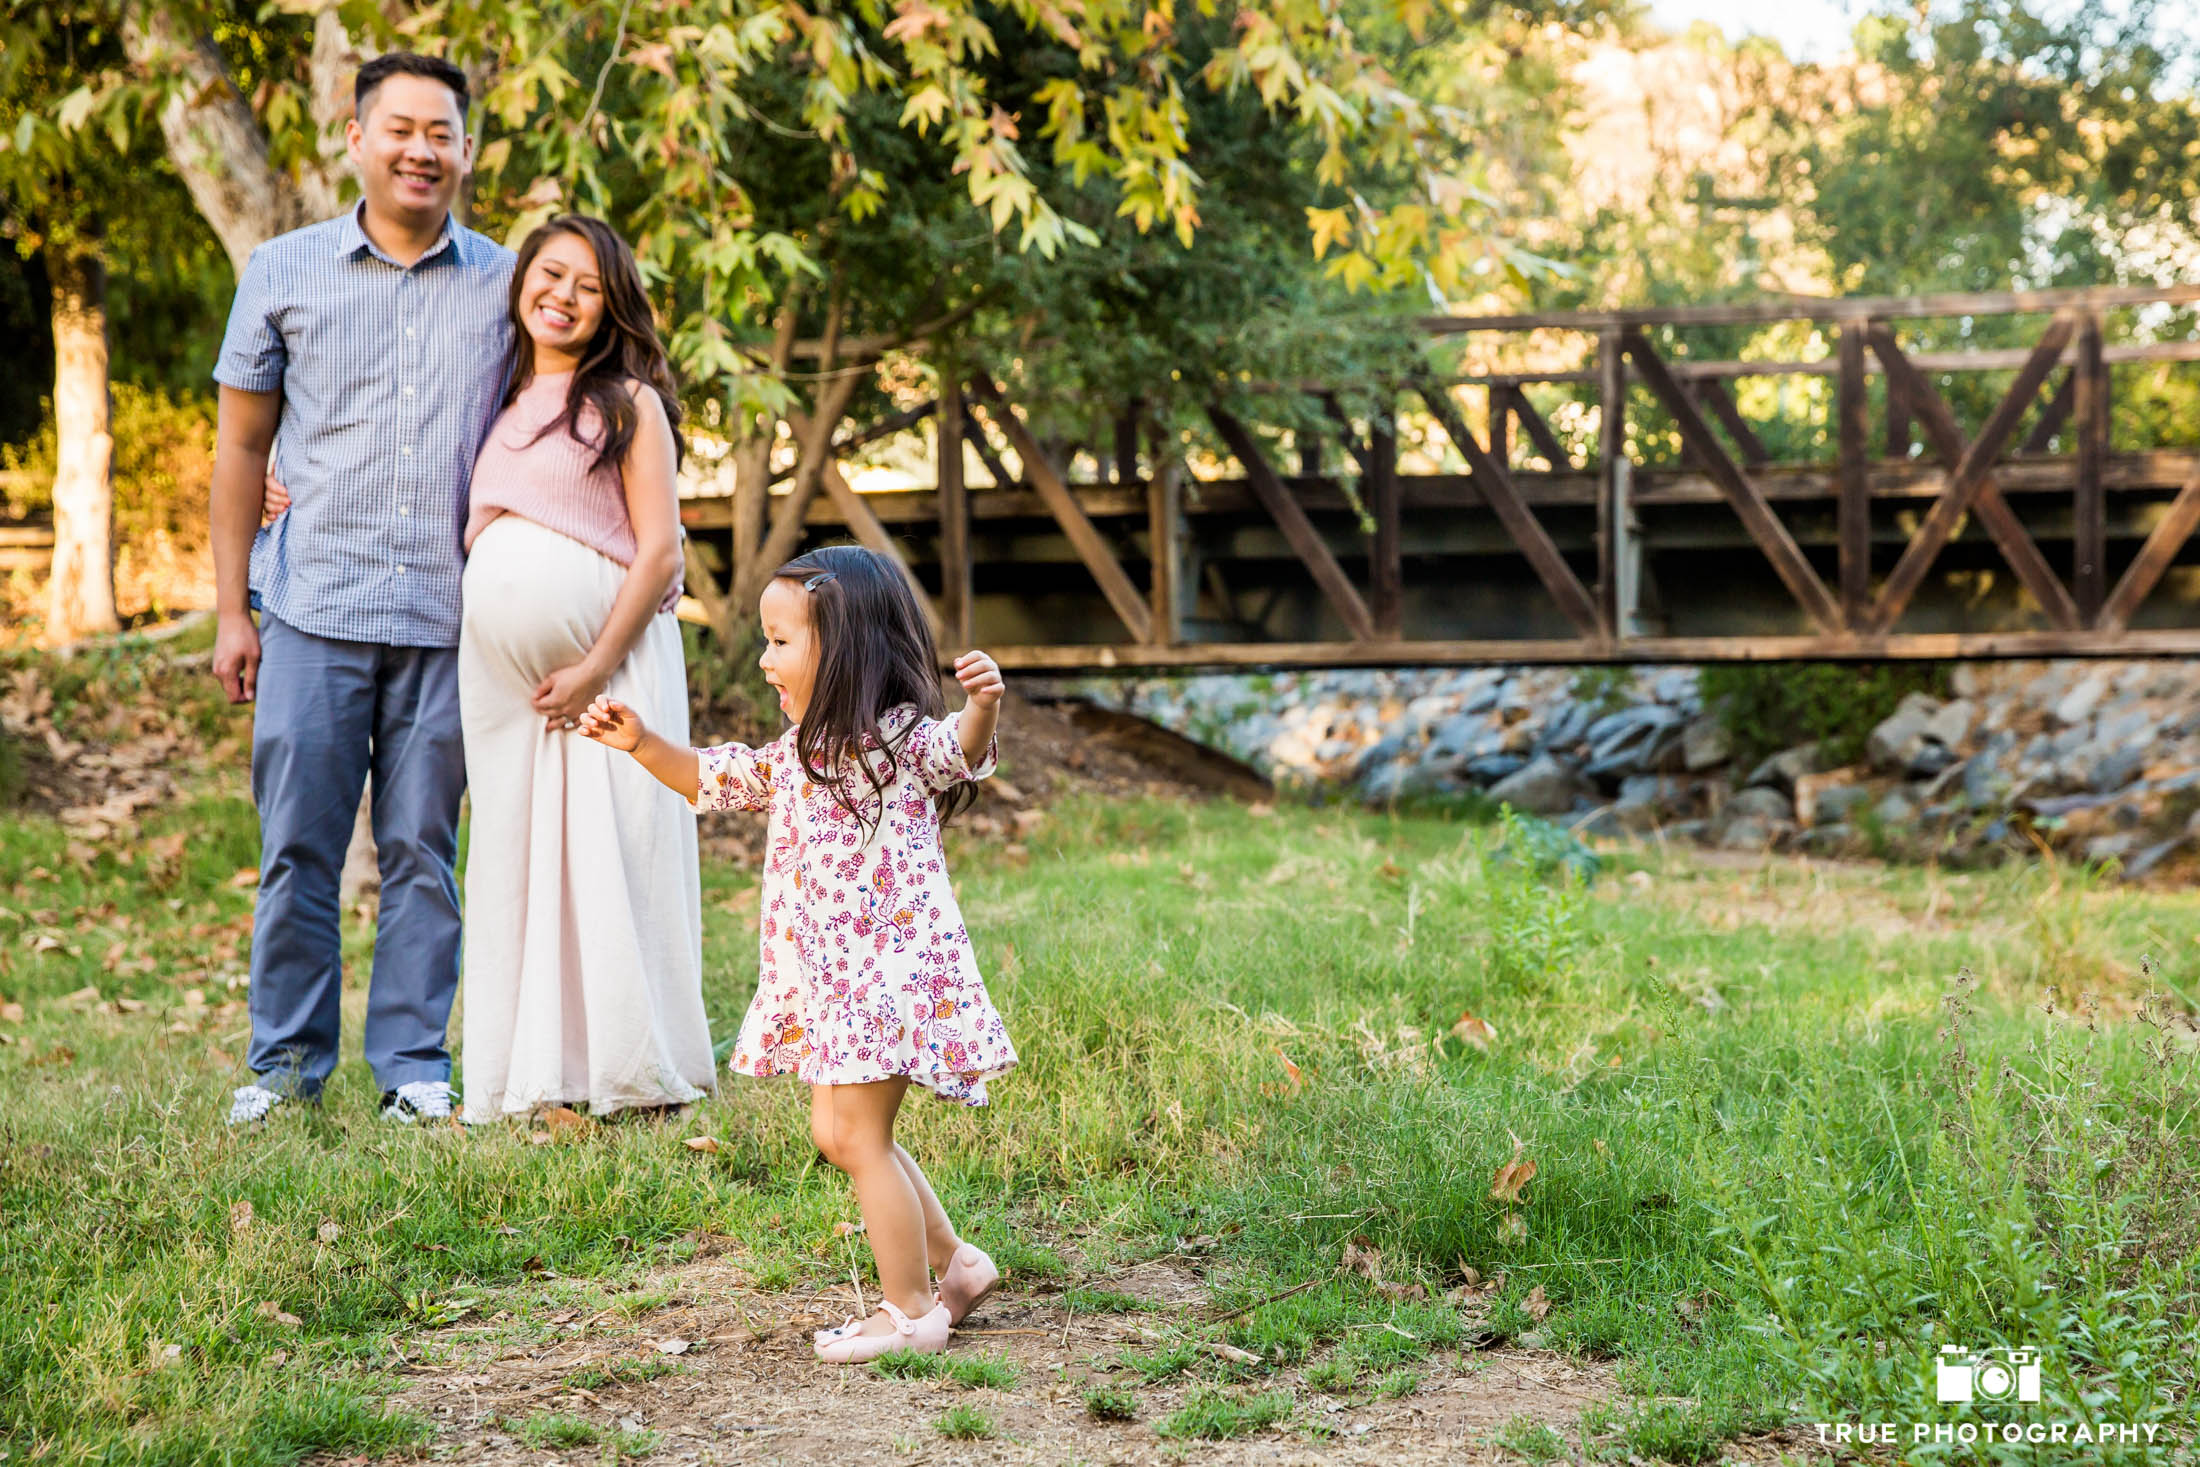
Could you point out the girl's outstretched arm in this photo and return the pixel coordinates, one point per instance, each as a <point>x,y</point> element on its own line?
<point>980,676</point>
<point>612,723</point>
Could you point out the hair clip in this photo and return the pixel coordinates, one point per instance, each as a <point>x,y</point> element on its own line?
<point>820,579</point>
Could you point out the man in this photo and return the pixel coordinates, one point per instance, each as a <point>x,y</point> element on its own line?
<point>376,342</point>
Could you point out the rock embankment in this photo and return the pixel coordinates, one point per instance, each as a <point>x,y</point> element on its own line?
<point>2097,760</point>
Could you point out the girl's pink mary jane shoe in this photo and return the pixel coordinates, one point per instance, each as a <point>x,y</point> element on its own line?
<point>925,1336</point>
<point>966,1281</point>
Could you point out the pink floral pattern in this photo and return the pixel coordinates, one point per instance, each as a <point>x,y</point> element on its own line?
<point>867,971</point>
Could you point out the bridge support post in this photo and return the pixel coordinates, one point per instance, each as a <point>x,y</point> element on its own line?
<point>2089,526</point>
<point>1853,511</point>
<point>1386,572</point>
<point>1611,476</point>
<point>955,583</point>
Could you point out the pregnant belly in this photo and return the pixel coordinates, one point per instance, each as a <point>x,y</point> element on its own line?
<point>535,599</point>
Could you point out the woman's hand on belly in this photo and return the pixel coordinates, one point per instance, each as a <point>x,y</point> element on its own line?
<point>564,695</point>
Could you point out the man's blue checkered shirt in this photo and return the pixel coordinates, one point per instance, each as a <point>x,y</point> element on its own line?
<point>390,378</point>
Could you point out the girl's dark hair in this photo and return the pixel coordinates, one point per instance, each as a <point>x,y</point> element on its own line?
<point>624,349</point>
<point>874,652</point>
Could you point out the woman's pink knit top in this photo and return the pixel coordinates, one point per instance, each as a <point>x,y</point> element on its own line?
<point>552,479</point>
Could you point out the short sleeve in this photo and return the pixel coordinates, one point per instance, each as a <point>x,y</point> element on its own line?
<point>933,752</point>
<point>253,355</point>
<point>734,777</point>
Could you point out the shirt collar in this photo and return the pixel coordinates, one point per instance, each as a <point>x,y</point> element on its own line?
<point>351,237</point>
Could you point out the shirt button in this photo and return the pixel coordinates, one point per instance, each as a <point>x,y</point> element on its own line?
<point>408,392</point>
<point>407,450</point>
<point>404,509</point>
<point>400,570</point>
<point>408,332</point>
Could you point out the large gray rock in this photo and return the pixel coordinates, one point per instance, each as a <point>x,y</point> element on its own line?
<point>1952,724</point>
<point>1705,742</point>
<point>1895,741</point>
<point>1837,804</point>
<point>1494,769</point>
<point>1895,809</point>
<point>1565,726</point>
<point>1929,760</point>
<point>1628,742</point>
<point>1542,787</point>
<point>2116,768</point>
<point>2078,704</point>
<point>1761,802</point>
<point>1787,766</point>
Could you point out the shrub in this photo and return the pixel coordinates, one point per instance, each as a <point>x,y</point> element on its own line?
<point>1770,706</point>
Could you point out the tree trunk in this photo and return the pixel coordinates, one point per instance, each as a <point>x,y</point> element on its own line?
<point>81,592</point>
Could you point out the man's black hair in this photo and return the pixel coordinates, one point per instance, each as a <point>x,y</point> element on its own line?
<point>409,63</point>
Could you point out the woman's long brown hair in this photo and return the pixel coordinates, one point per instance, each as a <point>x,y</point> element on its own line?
<point>874,652</point>
<point>624,349</point>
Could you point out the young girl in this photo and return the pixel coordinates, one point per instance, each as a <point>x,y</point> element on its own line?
<point>867,980</point>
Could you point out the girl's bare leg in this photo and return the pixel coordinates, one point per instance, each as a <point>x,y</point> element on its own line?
<point>940,1238</point>
<point>854,1126</point>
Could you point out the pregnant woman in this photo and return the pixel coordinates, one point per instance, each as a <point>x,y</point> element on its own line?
<point>583,976</point>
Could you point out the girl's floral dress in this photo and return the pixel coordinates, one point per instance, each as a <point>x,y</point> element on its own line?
<point>867,971</point>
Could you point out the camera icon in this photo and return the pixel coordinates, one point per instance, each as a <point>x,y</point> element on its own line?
<point>1963,1374</point>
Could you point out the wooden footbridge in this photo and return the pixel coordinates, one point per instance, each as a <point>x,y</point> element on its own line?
<point>1670,533</point>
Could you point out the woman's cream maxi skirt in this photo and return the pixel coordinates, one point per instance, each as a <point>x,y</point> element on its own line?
<point>583,975</point>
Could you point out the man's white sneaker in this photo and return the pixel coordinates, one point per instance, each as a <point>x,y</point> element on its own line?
<point>249,1103</point>
<point>418,1100</point>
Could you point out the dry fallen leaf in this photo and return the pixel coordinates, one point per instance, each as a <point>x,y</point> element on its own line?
<point>11,1013</point>
<point>671,1347</point>
<point>564,1120</point>
<point>86,994</point>
<point>1512,1176</point>
<point>1477,1032</point>
<point>240,1217</point>
<point>329,1232</point>
<point>1535,1306</point>
<point>1364,1259</point>
<point>166,1355</point>
<point>701,1143</point>
<point>280,1357</point>
<point>1231,1353</point>
<point>249,876</point>
<point>1401,1292</point>
<point>1390,870</point>
<point>269,1309</point>
<point>1291,1073</point>
<point>846,1229</point>
<point>1512,1226</point>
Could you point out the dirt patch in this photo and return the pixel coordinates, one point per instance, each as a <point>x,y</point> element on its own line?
<point>746,1389</point>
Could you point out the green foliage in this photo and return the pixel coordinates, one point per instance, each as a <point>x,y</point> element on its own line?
<point>1770,706</point>
<point>1111,1403</point>
<point>163,464</point>
<point>964,1424</point>
<point>1603,689</point>
<point>1215,1414</point>
<point>1532,1440</point>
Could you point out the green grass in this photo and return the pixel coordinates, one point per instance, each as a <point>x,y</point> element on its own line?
<point>1783,1155</point>
<point>964,1424</point>
<point>1104,1301</point>
<point>552,1431</point>
<point>971,1372</point>
<point>621,1372</point>
<point>1111,1403</point>
<point>1214,1413</point>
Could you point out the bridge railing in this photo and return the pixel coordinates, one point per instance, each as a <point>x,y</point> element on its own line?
<point>1923,456</point>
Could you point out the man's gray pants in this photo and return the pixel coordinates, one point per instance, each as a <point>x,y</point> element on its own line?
<point>327,711</point>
